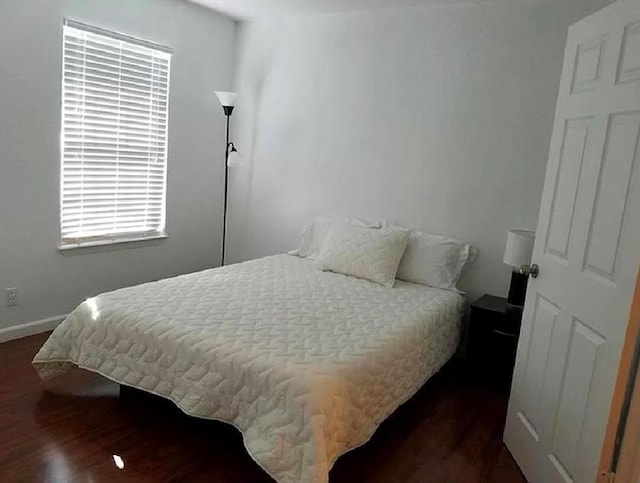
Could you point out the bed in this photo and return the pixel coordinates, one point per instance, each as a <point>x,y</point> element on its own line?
<point>305,363</point>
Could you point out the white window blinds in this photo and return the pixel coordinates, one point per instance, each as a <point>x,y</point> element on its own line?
<point>115,99</point>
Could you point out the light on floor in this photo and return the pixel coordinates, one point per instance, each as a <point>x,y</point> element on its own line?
<point>118,461</point>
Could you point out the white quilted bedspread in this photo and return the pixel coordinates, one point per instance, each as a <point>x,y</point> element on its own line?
<point>305,363</point>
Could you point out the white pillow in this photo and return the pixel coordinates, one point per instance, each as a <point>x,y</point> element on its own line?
<point>434,260</point>
<point>368,253</point>
<point>314,234</point>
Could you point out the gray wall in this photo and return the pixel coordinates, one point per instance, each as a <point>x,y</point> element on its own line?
<point>436,118</point>
<point>50,282</point>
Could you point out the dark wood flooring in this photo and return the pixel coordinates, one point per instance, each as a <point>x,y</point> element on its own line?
<point>69,430</point>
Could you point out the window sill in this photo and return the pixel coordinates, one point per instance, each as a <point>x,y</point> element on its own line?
<point>106,244</point>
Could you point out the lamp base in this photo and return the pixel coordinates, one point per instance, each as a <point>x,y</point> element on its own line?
<point>518,288</point>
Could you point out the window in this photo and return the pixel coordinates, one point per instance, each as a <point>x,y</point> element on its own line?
<point>115,99</point>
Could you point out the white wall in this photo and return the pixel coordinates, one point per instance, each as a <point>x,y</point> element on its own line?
<point>50,282</point>
<point>437,118</point>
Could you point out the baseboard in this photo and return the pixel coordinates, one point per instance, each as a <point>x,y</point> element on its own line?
<point>30,328</point>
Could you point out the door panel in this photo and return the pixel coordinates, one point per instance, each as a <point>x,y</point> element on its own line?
<point>612,194</point>
<point>576,387</point>
<point>576,136</point>
<point>545,317</point>
<point>588,249</point>
<point>630,55</point>
<point>588,65</point>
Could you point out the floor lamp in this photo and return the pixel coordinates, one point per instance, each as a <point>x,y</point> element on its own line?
<point>228,100</point>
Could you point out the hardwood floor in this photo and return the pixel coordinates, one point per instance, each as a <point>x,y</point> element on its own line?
<point>77,428</point>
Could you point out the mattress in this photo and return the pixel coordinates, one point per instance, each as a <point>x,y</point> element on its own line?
<point>306,364</point>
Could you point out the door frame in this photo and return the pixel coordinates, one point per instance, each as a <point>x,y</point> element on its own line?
<point>613,440</point>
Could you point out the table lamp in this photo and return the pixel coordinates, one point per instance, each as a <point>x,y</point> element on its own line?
<point>517,254</point>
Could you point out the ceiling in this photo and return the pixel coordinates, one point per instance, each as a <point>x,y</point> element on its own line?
<point>257,8</point>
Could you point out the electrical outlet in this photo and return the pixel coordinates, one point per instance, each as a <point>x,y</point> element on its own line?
<point>11,295</point>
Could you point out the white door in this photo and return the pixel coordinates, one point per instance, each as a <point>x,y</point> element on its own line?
<point>588,250</point>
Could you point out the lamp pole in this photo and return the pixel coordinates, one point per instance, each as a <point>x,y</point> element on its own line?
<point>227,111</point>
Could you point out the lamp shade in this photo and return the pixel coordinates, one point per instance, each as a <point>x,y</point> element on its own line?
<point>234,158</point>
<point>226,98</point>
<point>519,248</point>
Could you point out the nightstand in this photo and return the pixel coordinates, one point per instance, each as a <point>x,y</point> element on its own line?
<point>494,328</point>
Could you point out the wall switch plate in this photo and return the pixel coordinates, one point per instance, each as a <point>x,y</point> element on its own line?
<point>11,295</point>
